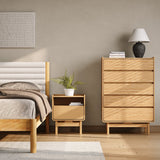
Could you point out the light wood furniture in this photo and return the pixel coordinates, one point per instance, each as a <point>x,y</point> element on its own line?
<point>128,92</point>
<point>27,124</point>
<point>65,115</point>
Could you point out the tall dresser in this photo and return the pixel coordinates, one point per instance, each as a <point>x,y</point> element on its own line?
<point>128,92</point>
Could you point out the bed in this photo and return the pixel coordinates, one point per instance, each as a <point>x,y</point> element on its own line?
<point>37,73</point>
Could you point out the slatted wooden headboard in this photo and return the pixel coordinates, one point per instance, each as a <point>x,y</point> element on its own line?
<point>35,72</point>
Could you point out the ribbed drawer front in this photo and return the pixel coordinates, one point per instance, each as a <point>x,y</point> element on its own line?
<point>128,115</point>
<point>128,101</point>
<point>128,88</point>
<point>128,76</point>
<point>68,112</point>
<point>128,64</point>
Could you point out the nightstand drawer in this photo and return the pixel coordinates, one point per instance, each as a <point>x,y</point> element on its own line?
<point>128,76</point>
<point>129,64</point>
<point>68,113</point>
<point>128,114</point>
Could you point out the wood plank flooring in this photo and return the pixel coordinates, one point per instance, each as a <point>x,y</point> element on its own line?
<point>115,146</point>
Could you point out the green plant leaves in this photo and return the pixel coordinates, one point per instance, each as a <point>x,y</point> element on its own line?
<point>67,81</point>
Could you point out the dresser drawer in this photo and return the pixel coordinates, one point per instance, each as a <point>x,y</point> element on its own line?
<point>128,115</point>
<point>130,88</point>
<point>129,64</point>
<point>68,113</point>
<point>128,76</point>
<point>128,101</point>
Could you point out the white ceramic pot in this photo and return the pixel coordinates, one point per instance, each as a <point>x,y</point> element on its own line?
<point>69,92</point>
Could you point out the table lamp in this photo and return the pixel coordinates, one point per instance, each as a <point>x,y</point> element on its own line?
<point>139,35</point>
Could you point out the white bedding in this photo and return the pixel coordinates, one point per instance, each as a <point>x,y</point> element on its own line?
<point>17,109</point>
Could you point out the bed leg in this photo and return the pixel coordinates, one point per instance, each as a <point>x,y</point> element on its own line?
<point>47,124</point>
<point>33,137</point>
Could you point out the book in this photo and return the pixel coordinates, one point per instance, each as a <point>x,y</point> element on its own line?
<point>75,104</point>
<point>114,54</point>
<point>117,52</point>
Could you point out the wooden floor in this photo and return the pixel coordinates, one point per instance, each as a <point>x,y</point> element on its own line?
<point>115,146</point>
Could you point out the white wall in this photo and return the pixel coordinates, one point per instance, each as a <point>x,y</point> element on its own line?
<point>74,34</point>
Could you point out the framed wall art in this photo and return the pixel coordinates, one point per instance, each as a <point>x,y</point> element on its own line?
<point>17,29</point>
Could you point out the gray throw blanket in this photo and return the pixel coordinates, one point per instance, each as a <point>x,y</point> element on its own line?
<point>40,99</point>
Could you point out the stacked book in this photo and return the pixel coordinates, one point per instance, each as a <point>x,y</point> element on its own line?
<point>113,54</point>
<point>75,104</point>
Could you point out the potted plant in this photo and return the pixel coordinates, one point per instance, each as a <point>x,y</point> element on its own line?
<point>68,82</point>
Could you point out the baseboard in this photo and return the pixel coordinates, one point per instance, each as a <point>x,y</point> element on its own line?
<point>100,129</point>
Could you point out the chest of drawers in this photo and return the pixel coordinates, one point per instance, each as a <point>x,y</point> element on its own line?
<point>128,92</point>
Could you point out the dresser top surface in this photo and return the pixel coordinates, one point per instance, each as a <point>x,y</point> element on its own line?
<point>127,58</point>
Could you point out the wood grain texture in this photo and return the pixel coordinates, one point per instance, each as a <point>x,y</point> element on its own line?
<point>129,88</point>
<point>80,128</point>
<point>129,125</point>
<point>68,124</point>
<point>117,146</point>
<point>102,90</point>
<point>146,126</point>
<point>68,113</point>
<point>15,124</point>
<point>123,115</point>
<point>127,91</point>
<point>107,128</point>
<point>128,101</point>
<point>128,64</point>
<point>56,128</point>
<point>128,76</point>
<point>33,136</point>
<point>154,87</point>
<point>47,82</point>
<point>65,115</point>
<point>38,122</point>
<point>62,110</point>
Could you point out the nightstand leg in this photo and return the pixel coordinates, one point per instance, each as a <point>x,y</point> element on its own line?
<point>56,128</point>
<point>148,128</point>
<point>107,127</point>
<point>80,127</point>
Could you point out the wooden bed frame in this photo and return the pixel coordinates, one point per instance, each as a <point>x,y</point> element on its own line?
<point>28,124</point>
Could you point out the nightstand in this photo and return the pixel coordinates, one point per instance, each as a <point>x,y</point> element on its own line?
<point>68,111</point>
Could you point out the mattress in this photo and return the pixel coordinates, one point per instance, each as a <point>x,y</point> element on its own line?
<point>17,109</point>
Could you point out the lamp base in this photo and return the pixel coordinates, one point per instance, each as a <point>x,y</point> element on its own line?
<point>139,50</point>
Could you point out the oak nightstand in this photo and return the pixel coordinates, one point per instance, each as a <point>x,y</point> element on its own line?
<point>68,111</point>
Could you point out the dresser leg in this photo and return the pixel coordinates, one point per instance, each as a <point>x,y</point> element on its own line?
<point>80,127</point>
<point>148,128</point>
<point>56,128</point>
<point>107,127</point>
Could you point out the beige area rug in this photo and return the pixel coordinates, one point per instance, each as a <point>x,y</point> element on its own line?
<point>52,151</point>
